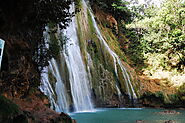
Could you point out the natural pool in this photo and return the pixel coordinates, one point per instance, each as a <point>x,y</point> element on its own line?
<point>127,115</point>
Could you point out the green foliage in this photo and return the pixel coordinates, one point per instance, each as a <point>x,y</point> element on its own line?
<point>54,47</point>
<point>169,100</point>
<point>137,47</point>
<point>8,108</point>
<point>57,41</point>
<point>154,96</point>
<point>117,8</point>
<point>160,95</point>
<point>164,34</point>
<point>181,90</point>
<point>77,5</point>
<point>33,12</point>
<point>27,20</point>
<point>181,93</point>
<point>10,112</point>
<point>173,98</point>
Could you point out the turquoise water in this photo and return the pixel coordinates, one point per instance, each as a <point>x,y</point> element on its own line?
<point>127,116</point>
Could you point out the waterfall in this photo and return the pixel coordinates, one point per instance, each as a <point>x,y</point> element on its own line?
<point>78,77</point>
<point>77,73</point>
<point>117,61</point>
<point>69,84</point>
<point>60,103</point>
<point>47,89</point>
<point>59,87</point>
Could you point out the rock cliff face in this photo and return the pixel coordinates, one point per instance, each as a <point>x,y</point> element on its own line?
<point>32,109</point>
<point>109,88</point>
<point>19,81</point>
<point>112,82</point>
<point>18,73</point>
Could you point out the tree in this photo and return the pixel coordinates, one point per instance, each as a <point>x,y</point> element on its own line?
<point>26,20</point>
<point>118,8</point>
<point>165,32</point>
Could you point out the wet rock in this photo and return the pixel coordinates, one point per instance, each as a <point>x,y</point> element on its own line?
<point>20,119</point>
<point>169,112</point>
<point>36,110</point>
<point>63,118</point>
<point>170,121</point>
<point>74,121</point>
<point>140,121</point>
<point>10,112</point>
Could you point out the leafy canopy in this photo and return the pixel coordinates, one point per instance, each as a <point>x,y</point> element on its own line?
<point>163,32</point>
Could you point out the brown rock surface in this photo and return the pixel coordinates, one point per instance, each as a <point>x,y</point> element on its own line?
<point>169,112</point>
<point>35,108</point>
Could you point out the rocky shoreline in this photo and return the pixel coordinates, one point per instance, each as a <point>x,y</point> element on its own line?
<point>32,109</point>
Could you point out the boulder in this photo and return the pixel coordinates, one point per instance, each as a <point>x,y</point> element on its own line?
<point>140,121</point>
<point>170,121</point>
<point>169,112</point>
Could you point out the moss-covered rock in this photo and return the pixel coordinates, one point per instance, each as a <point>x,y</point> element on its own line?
<point>162,99</point>
<point>107,88</point>
<point>10,112</point>
<point>152,99</point>
<point>7,107</point>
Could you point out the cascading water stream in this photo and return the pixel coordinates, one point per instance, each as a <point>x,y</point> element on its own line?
<point>114,56</point>
<point>80,85</point>
<point>60,103</point>
<point>78,78</point>
<point>75,93</point>
<point>59,87</point>
<point>47,89</point>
